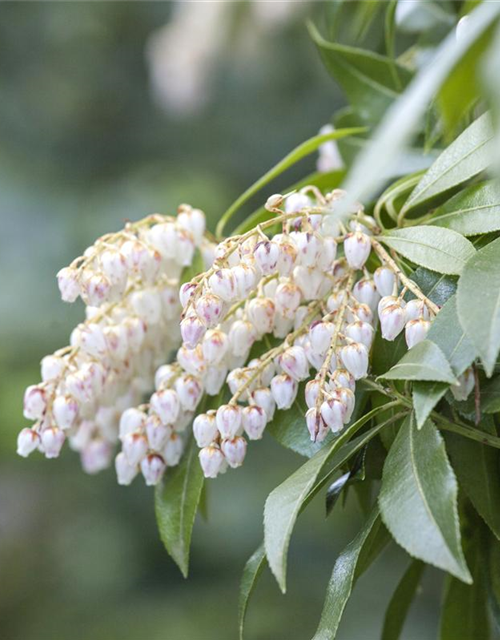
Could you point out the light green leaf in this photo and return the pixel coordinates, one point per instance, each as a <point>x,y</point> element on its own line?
<point>401,601</point>
<point>473,211</point>
<point>251,574</point>
<point>284,503</point>
<point>176,503</point>
<point>418,499</point>
<point>478,303</point>
<point>426,395</point>
<point>469,155</point>
<point>435,248</point>
<point>303,150</point>
<point>348,567</point>
<point>370,81</point>
<point>424,361</point>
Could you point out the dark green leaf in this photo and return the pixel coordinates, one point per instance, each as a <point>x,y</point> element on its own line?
<point>401,601</point>
<point>437,287</point>
<point>426,395</point>
<point>490,396</point>
<point>418,498</point>
<point>435,248</point>
<point>251,574</point>
<point>334,491</point>
<point>176,503</point>
<point>424,361</point>
<point>290,430</point>
<point>478,303</point>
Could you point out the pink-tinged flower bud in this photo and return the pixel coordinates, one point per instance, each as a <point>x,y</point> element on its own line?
<point>266,256</point>
<point>212,461</point>
<point>261,314</point>
<point>191,360</point>
<point>316,426</point>
<point>254,420</point>
<point>165,375</point>
<point>310,281</point>
<point>287,254</point>
<point>360,332</point>
<point>339,269</point>
<point>27,441</point>
<point>135,447</point>
<point>223,284</point>
<point>215,346</point>
<point>234,451</point>
<point>156,432</point>
<point>315,359</point>
<point>125,472</point>
<point>163,238</point>
<point>335,301</point>
<point>416,331</point>
<point>192,331</point>
<point>365,292</point>
<point>52,441</point>
<point>205,429</point>
<point>136,332</point>
<point>263,398</point>
<point>241,337</point>
<point>355,359</point>
<point>147,305</point>
<point>385,281</point>
<point>388,301</point>
<point>312,392</point>
<point>65,411</point>
<point>320,336</point>
<point>416,309</point>
<point>165,403</point>
<point>69,287</point>
<point>348,400</point>
<point>309,248</point>
<point>266,374</point>
<point>296,202</point>
<point>333,412</point>
<point>35,402</point>
<point>189,389</point>
<point>184,248</point>
<point>214,379</point>
<point>282,326</point>
<point>52,368</point>
<point>328,255</point>
<point>360,312</point>
<point>96,290</point>
<point>466,385</point>
<point>294,362</point>
<point>186,293</point>
<point>246,278</point>
<point>192,220</point>
<point>228,419</point>
<point>153,467</point>
<point>392,321</point>
<point>169,302</point>
<point>136,255</point>
<point>117,341</point>
<point>342,378</point>
<point>96,456</point>
<point>172,452</point>
<point>209,308</point>
<point>84,433</point>
<point>284,389</point>
<point>114,265</point>
<point>93,341</point>
<point>287,299</point>
<point>131,420</point>
<point>357,248</point>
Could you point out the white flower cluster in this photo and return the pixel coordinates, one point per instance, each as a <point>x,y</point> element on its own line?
<point>129,282</point>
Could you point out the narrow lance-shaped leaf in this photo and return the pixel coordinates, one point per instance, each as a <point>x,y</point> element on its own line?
<point>435,248</point>
<point>424,361</point>
<point>418,498</point>
<point>251,573</point>
<point>478,303</point>
<point>436,286</point>
<point>401,601</point>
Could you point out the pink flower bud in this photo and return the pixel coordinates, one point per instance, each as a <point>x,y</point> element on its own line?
<point>189,389</point>
<point>96,456</point>
<point>309,248</point>
<point>312,392</point>
<point>192,331</point>
<point>114,265</point>
<point>261,314</point>
<point>172,452</point>
<point>266,256</point>
<point>357,248</point>
<point>165,403</point>
<point>284,390</point>
<point>169,302</point>
<point>135,447</point>
<point>392,321</point>
<point>52,441</point>
<point>234,451</point>
<point>263,398</point>
<point>335,301</point>
<point>287,255</point>
<point>205,429</point>
<point>164,376</point>
<point>117,341</point>
<point>416,309</point>
<point>296,202</point>
<point>27,441</point>
<point>245,277</point>
<point>191,360</point>
<point>147,305</point>
<point>136,255</point>
<point>360,312</point>
<point>97,290</point>
<point>215,345</point>
<point>328,255</point>
<point>385,281</point>
<point>163,237</point>
<point>212,461</point>
<point>35,402</point>
<point>416,331</point>
<point>52,368</point>
<point>347,398</point>
<point>192,220</point>
<point>355,359</point>
<point>365,291</point>
<point>152,468</point>
<point>156,432</point>
<point>315,359</point>
<point>131,420</point>
<point>316,426</point>
<point>125,472</point>
<point>310,281</point>
<point>241,337</point>
<point>223,284</point>
<point>342,378</point>
<point>93,340</point>
<point>186,292</point>
<point>320,336</point>
<point>294,362</point>
<point>214,379</point>
<point>466,385</point>
<point>69,287</point>
<point>388,301</point>
<point>228,419</point>
<point>65,411</point>
<point>254,420</point>
<point>287,299</point>
<point>209,308</point>
<point>360,332</point>
<point>136,332</point>
<point>333,412</point>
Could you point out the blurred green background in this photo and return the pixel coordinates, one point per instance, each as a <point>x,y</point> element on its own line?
<point>108,112</point>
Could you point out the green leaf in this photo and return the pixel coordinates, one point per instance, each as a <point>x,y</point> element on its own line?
<point>437,287</point>
<point>348,567</point>
<point>370,81</point>
<point>251,574</point>
<point>176,503</point>
<point>401,601</point>
<point>418,498</point>
<point>435,248</point>
<point>476,466</point>
<point>284,503</point>
<point>424,361</point>
<point>426,395</point>
<point>473,211</point>
<point>490,396</point>
<point>303,150</point>
<point>478,303</point>
<point>469,155</point>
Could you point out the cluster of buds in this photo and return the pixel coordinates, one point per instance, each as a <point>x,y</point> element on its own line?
<point>129,282</point>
